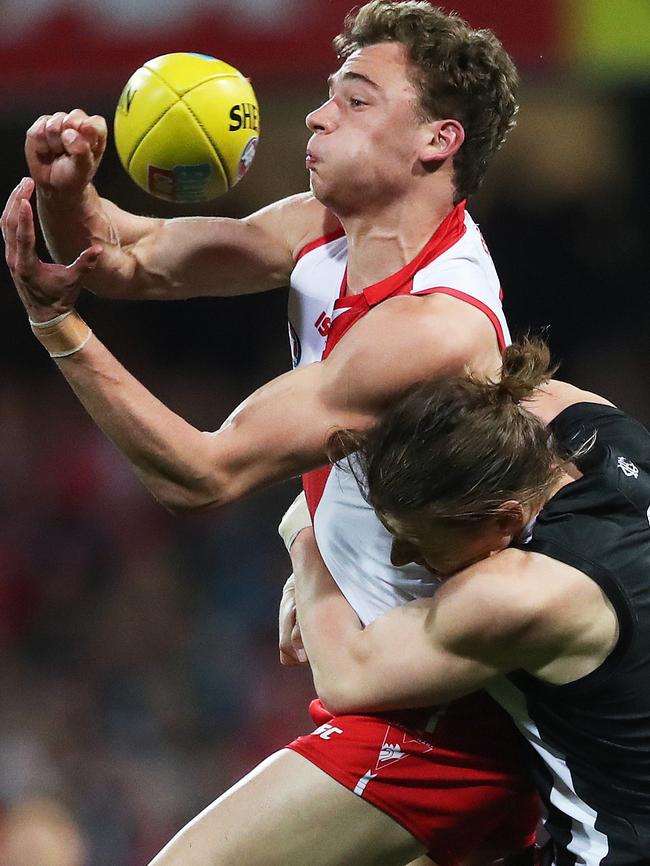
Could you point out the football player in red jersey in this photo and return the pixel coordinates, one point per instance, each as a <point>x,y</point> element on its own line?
<point>418,106</point>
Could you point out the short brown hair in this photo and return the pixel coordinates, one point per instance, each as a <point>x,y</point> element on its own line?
<point>458,449</point>
<point>461,73</point>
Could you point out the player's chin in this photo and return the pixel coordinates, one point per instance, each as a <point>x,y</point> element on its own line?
<point>328,194</point>
<point>319,190</point>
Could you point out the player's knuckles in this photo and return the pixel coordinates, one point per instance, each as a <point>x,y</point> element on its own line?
<point>74,119</point>
<point>54,122</point>
<point>99,124</point>
<point>38,127</point>
<point>53,129</point>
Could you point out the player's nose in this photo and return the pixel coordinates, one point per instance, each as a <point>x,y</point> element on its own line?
<point>322,119</point>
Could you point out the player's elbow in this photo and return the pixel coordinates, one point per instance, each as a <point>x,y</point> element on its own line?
<point>195,494</point>
<point>186,500</point>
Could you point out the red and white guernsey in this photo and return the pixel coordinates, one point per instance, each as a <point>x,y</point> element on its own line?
<point>354,544</point>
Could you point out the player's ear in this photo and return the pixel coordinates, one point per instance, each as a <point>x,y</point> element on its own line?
<point>510,517</point>
<point>443,140</point>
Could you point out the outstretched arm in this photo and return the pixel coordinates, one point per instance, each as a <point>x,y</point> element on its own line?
<point>283,428</point>
<point>153,258</point>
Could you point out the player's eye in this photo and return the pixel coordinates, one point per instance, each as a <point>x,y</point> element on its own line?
<point>356,103</point>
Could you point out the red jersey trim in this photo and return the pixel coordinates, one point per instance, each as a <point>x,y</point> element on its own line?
<point>449,232</point>
<point>320,242</point>
<point>313,483</point>
<point>470,299</point>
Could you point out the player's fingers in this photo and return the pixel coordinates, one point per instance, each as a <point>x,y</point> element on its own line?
<point>96,131</point>
<point>74,119</point>
<point>35,139</point>
<point>84,262</point>
<point>286,623</point>
<point>297,644</point>
<point>38,125</point>
<point>288,659</point>
<point>53,133</point>
<point>9,218</point>
<point>76,145</point>
<point>8,210</point>
<point>287,652</point>
<point>25,244</point>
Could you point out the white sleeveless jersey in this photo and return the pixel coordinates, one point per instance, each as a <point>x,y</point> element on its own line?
<point>354,544</point>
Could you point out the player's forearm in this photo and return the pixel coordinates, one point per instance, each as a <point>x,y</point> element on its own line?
<point>173,459</point>
<point>72,223</point>
<point>329,627</point>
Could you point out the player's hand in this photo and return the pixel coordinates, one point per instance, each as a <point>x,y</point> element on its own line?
<point>63,150</point>
<point>46,290</point>
<point>292,651</point>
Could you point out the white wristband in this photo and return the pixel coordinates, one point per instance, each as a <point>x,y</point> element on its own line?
<point>296,518</point>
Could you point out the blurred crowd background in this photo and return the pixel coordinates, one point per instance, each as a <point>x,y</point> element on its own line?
<point>138,661</point>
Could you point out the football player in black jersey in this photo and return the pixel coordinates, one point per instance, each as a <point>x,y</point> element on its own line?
<point>542,547</point>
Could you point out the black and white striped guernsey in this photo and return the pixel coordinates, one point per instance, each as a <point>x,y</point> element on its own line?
<point>591,737</point>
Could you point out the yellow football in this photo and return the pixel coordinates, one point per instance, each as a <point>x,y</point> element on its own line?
<point>187,127</point>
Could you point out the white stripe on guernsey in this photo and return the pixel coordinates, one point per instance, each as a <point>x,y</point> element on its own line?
<point>588,844</point>
<point>362,783</point>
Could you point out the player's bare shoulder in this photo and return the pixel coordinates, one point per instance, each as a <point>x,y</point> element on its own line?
<point>555,396</point>
<point>400,343</point>
<point>431,335</point>
<point>295,221</point>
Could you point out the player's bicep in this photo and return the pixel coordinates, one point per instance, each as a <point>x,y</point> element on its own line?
<point>201,256</point>
<point>193,256</point>
<point>403,660</point>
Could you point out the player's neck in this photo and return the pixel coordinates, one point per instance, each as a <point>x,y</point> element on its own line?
<point>383,240</point>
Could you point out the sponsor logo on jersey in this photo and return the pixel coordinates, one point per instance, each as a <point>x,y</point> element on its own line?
<point>322,324</point>
<point>326,731</point>
<point>627,467</point>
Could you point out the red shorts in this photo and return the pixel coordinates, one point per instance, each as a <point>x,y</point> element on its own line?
<point>455,777</point>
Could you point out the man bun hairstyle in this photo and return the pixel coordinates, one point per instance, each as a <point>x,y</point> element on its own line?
<point>525,366</point>
<point>459,448</point>
<point>459,72</point>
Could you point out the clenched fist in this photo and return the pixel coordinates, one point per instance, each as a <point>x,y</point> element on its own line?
<point>63,150</point>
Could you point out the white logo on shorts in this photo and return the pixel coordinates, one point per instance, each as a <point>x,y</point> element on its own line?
<point>627,467</point>
<point>390,752</point>
<point>326,731</point>
<point>360,787</point>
